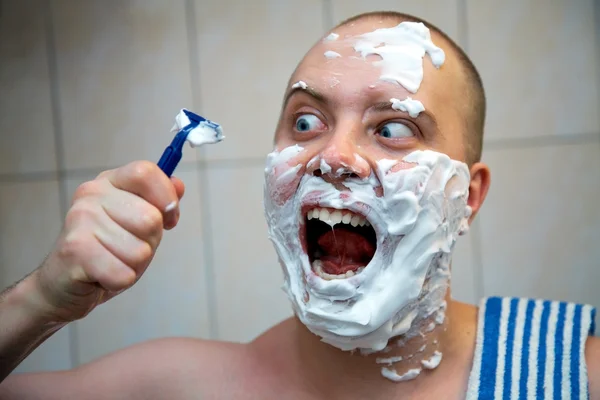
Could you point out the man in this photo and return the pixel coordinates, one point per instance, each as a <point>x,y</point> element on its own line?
<point>380,138</point>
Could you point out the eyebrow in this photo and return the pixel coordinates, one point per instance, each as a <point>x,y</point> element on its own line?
<point>425,116</point>
<point>309,90</point>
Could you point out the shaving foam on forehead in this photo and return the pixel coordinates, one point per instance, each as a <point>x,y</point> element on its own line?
<point>409,105</point>
<point>401,49</point>
<point>331,37</point>
<point>332,54</point>
<point>417,217</point>
<point>299,84</point>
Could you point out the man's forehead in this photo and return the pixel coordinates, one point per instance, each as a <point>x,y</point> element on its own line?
<point>334,61</point>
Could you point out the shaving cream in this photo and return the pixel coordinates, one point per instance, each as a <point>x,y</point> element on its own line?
<point>332,54</point>
<point>433,362</point>
<point>401,49</point>
<point>416,220</point>
<point>299,84</point>
<point>412,107</point>
<point>392,375</point>
<point>331,37</point>
<point>206,132</point>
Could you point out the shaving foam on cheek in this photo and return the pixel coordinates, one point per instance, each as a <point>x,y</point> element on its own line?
<point>416,220</point>
<point>401,49</point>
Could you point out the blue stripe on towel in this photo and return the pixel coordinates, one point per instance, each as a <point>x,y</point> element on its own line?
<point>542,350</point>
<point>510,343</point>
<point>525,356</point>
<point>491,331</point>
<point>558,351</point>
<point>575,343</point>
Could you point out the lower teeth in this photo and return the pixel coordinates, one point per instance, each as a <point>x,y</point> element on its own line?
<point>318,268</point>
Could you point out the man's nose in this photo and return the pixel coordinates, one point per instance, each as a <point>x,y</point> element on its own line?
<point>340,159</point>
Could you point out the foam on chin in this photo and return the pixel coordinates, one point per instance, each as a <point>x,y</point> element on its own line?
<point>422,211</point>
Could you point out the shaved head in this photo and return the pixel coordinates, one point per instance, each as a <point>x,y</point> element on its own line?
<point>473,95</point>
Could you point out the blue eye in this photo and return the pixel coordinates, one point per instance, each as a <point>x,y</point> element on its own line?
<point>395,130</point>
<point>307,123</point>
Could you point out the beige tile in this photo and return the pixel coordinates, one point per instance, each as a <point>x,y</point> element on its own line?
<point>248,50</point>
<point>540,224</point>
<point>441,13</point>
<point>169,300</point>
<point>464,271</point>
<point>248,277</point>
<point>539,66</point>
<point>30,215</point>
<point>26,130</point>
<point>124,73</point>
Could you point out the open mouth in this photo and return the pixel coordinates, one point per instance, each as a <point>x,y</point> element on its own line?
<point>339,243</point>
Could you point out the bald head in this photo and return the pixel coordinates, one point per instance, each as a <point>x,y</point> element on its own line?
<point>473,106</point>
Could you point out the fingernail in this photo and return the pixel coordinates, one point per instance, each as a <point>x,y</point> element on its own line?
<point>171,206</point>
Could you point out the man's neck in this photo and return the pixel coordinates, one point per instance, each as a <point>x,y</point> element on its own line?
<point>338,373</point>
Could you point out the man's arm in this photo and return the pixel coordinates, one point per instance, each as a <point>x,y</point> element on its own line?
<point>22,326</point>
<point>592,357</point>
<point>158,369</point>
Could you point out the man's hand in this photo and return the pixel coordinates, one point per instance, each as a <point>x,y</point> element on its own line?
<point>110,235</point>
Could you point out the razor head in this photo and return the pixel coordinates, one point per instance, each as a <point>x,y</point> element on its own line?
<point>193,117</point>
<point>196,119</point>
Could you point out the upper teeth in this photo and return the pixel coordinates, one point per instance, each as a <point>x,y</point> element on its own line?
<point>337,217</point>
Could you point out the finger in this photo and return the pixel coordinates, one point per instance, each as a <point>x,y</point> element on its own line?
<point>172,220</point>
<point>132,251</point>
<point>101,266</point>
<point>179,187</point>
<point>146,180</point>
<point>135,215</point>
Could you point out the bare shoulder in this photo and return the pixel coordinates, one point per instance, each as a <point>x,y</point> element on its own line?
<point>592,356</point>
<point>157,369</point>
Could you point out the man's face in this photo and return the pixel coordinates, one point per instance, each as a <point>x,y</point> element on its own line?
<point>364,201</point>
<point>353,107</point>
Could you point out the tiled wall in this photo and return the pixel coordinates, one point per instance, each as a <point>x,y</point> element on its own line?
<point>88,85</point>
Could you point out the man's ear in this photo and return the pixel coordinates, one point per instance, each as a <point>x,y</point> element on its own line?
<point>478,188</point>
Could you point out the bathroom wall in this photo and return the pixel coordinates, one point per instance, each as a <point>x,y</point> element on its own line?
<point>91,85</point>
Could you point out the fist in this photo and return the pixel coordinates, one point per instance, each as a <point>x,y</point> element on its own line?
<point>109,238</point>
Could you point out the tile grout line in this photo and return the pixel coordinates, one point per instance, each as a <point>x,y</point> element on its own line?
<point>209,273</point>
<point>59,149</point>
<point>541,141</point>
<point>476,252</point>
<point>327,9</point>
<point>463,27</point>
<point>186,166</point>
<point>597,30</point>
<point>493,145</point>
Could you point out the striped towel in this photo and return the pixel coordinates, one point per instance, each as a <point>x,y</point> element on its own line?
<point>530,349</point>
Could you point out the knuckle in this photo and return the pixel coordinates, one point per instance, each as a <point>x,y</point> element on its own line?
<point>89,188</point>
<point>152,219</point>
<point>80,211</point>
<point>143,253</point>
<point>104,174</point>
<point>142,171</point>
<point>72,245</point>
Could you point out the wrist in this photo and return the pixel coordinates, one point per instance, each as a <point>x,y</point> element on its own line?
<point>27,300</point>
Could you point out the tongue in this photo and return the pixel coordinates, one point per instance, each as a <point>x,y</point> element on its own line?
<point>344,251</point>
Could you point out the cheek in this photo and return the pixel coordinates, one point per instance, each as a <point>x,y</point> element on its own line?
<point>283,182</point>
